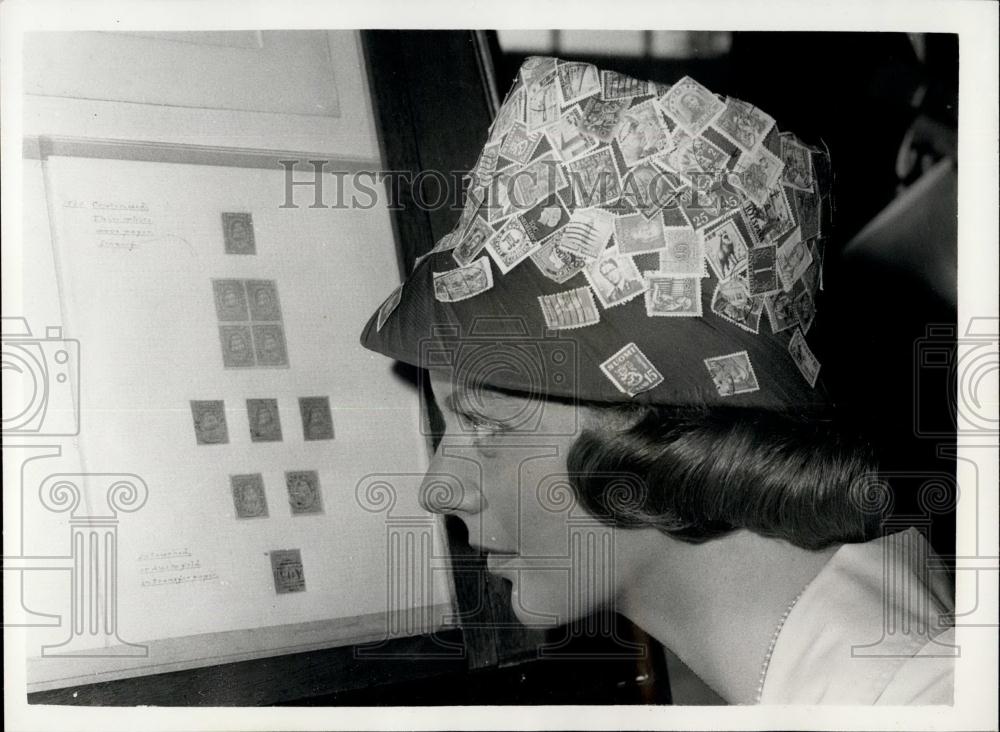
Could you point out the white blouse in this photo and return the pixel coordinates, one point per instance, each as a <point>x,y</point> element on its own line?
<point>871,628</point>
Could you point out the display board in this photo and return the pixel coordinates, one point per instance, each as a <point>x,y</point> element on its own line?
<point>276,464</point>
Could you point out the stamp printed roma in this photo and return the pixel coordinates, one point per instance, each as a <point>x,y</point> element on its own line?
<point>317,422</point>
<point>615,278</point>
<point>732,374</point>
<point>631,372</point>
<point>304,494</point>
<point>286,568</point>
<point>691,104</point>
<point>569,309</point>
<point>463,282</point>
<point>209,419</point>
<point>249,498</point>
<point>803,357</point>
<point>673,297</point>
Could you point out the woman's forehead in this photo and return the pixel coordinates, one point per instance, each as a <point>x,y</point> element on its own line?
<point>447,388</point>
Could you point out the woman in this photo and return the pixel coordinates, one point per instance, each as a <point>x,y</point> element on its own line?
<point>604,464</point>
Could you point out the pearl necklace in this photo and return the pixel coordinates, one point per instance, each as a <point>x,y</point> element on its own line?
<point>770,646</point>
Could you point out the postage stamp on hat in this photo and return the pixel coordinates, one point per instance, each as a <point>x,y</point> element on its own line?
<point>237,232</point>
<point>536,67</point>
<point>798,172</point>
<point>636,234</point>
<point>249,498</point>
<point>805,309</point>
<point>557,263</point>
<point>536,181</point>
<point>545,219</point>
<point>587,232</point>
<point>510,114</point>
<point>518,145</point>
<point>691,155</point>
<point>600,117</point>
<point>620,86</point>
<point>511,245</point>
<point>570,309</point>
<point>304,494</point>
<point>642,133</point>
<point>263,298</point>
<point>473,241</point>
<point>771,221</point>
<point>780,312</point>
<point>807,362</point>
<point>237,346</point>
<point>726,244</point>
<point>649,189</point>
<point>732,301</point>
<point>743,123</point>
<point>793,259</point>
<point>542,106</point>
<point>615,278</point>
<point>762,275</point>
<point>317,422</point>
<point>565,137</point>
<point>691,104</point>
<point>594,178</point>
<point>807,210</point>
<point>265,422</point>
<point>577,81</point>
<point>463,282</point>
<point>631,372</point>
<point>683,254</point>
<point>269,344</point>
<point>210,422</point>
<point>286,568</point>
<point>675,297</point>
<point>230,300</point>
<point>732,374</point>
<point>387,308</point>
<point>757,174</point>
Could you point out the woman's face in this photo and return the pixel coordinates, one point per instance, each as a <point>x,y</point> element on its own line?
<point>509,456</point>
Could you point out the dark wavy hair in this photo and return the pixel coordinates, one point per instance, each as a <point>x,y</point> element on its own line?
<point>700,473</point>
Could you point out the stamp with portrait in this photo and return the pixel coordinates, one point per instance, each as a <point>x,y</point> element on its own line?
<point>304,494</point>
<point>649,190</point>
<point>264,420</point>
<point>600,117</point>
<point>673,297</point>
<point>757,174</point>
<point>237,346</point>
<point>570,309</point>
<point>743,123</point>
<point>594,178</point>
<point>269,345</point>
<point>798,172</point>
<point>249,498</point>
<point>631,372</point>
<point>263,298</point>
<point>691,105</point>
<point>642,133</point>
<point>805,309</point>
<point>732,301</point>
<point>636,234</point>
<point>557,263</point>
<point>474,239</point>
<point>463,282</point>
<point>615,278</point>
<point>317,421</point>
<point>209,418</point>
<point>287,571</point>
<point>237,233</point>
<point>732,374</point>
<point>802,355</point>
<point>577,81</point>
<point>538,180</point>
<point>780,311</point>
<point>793,259</point>
<point>230,300</point>
<point>545,219</point>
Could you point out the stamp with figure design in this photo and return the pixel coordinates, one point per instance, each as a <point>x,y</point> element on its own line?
<point>780,311</point>
<point>615,278</point>
<point>545,219</point>
<point>555,262</point>
<point>304,493</point>
<point>230,300</point>
<point>726,244</point>
<point>237,346</point>
<point>570,309</point>
<point>673,297</point>
<point>601,116</point>
<point>317,421</point>
<point>537,181</point>
<point>264,420</point>
<point>462,283</point>
<point>798,172</point>
<point>287,571</point>
<point>691,105</point>
<point>642,133</point>
<point>757,174</point>
<point>636,234</point>
<point>648,189</point>
<point>594,178</point>
<point>802,355</point>
<point>209,419</point>
<point>732,301</point>
<point>631,372</point>
<point>743,123</point>
<point>732,374</point>
<point>263,298</point>
<point>269,345</point>
<point>237,232</point>
<point>793,259</point>
<point>249,498</point>
<point>473,241</point>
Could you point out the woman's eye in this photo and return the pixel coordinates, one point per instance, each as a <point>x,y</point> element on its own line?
<point>483,427</point>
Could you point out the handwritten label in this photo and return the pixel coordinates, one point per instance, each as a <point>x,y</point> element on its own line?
<point>120,225</point>
<point>173,567</point>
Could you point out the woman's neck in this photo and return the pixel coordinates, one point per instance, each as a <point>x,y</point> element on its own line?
<point>718,604</point>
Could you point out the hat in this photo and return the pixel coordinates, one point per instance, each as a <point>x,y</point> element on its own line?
<point>625,241</point>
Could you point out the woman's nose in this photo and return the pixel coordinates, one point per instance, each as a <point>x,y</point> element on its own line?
<point>447,490</point>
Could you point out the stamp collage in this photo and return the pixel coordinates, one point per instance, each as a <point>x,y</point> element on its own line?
<point>589,175</point>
